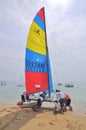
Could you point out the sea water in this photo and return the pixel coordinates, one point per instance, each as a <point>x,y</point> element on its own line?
<point>11,94</point>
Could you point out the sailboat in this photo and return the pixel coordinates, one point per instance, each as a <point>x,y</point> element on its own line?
<point>38,76</point>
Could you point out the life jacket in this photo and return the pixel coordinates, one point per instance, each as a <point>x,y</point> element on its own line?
<point>67,96</point>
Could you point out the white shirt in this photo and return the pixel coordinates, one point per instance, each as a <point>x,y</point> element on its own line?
<point>41,98</point>
<point>60,95</point>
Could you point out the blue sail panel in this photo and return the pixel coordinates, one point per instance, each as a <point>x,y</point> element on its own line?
<point>39,21</point>
<point>35,62</point>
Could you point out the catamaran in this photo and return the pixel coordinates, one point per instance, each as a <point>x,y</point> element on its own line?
<point>38,76</point>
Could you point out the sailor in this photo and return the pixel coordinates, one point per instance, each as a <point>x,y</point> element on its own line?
<point>41,98</point>
<point>60,96</point>
<point>68,98</point>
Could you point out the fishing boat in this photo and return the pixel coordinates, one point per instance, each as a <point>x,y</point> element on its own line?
<point>69,85</point>
<point>3,83</point>
<point>38,76</point>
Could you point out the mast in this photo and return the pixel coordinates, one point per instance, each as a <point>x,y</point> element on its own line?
<point>46,52</point>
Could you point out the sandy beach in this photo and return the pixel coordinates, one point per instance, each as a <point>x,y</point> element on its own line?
<point>15,118</point>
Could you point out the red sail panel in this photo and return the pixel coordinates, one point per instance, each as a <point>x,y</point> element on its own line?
<point>41,13</point>
<point>36,82</point>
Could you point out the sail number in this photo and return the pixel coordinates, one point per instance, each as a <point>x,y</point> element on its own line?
<point>35,66</point>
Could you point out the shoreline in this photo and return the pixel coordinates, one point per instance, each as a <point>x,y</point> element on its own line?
<point>13,117</point>
<point>80,110</point>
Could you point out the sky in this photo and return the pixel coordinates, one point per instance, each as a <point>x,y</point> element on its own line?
<point>66,37</point>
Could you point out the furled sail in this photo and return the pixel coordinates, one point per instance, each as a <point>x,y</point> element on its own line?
<point>37,65</point>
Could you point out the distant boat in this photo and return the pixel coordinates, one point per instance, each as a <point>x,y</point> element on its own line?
<point>3,83</point>
<point>69,85</point>
<point>59,84</point>
<point>20,85</point>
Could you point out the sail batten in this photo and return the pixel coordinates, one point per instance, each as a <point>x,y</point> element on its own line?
<point>36,63</point>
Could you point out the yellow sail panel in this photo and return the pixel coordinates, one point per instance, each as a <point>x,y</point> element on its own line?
<point>36,39</point>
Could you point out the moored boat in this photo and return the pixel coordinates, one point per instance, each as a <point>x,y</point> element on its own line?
<point>69,85</point>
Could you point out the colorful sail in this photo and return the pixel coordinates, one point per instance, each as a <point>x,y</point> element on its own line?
<point>37,66</point>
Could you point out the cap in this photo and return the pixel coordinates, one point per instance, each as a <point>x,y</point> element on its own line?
<point>57,90</point>
<point>44,92</point>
